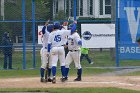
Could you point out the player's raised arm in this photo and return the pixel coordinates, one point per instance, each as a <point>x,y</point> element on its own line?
<point>77,38</point>
<point>45,27</point>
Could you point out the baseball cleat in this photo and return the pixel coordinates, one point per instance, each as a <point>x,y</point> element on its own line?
<point>54,80</point>
<point>77,79</point>
<point>49,80</point>
<point>63,79</point>
<point>91,63</point>
<point>42,80</point>
<point>66,78</point>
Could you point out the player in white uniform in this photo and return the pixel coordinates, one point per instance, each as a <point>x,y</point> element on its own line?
<point>74,43</point>
<point>56,50</point>
<point>43,52</point>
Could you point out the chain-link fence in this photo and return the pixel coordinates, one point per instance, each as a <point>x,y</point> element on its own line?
<point>20,20</point>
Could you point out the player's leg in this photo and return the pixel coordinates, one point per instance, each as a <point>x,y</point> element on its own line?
<point>5,61</point>
<point>44,61</point>
<point>68,62</point>
<point>49,69</point>
<point>76,58</point>
<point>61,57</point>
<point>54,58</point>
<point>10,61</point>
<point>88,59</point>
<point>81,57</point>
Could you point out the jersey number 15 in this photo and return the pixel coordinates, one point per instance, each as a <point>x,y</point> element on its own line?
<point>57,38</point>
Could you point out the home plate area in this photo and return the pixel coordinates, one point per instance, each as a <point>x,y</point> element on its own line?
<point>126,82</point>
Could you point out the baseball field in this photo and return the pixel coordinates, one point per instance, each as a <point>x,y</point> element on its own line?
<point>107,79</point>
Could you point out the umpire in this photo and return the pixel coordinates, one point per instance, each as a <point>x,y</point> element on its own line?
<point>7,50</point>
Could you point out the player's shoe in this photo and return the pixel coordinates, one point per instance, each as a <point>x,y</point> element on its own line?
<point>54,80</point>
<point>91,63</point>
<point>63,79</point>
<point>42,80</point>
<point>66,78</point>
<point>77,79</point>
<point>49,80</point>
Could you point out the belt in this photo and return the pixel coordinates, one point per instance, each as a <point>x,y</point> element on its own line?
<point>46,48</point>
<point>73,50</point>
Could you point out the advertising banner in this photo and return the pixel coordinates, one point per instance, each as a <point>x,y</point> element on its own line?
<point>40,34</point>
<point>98,35</point>
<point>129,29</point>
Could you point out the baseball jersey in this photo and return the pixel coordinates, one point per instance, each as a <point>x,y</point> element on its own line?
<point>45,37</point>
<point>57,38</point>
<point>73,41</point>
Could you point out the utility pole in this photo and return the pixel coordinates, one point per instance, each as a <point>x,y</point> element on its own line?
<point>2,9</point>
<point>113,19</point>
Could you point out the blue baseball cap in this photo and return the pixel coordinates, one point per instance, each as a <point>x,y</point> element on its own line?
<point>50,28</point>
<point>56,25</point>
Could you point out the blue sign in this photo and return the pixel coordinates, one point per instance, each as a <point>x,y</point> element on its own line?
<point>87,35</point>
<point>129,29</point>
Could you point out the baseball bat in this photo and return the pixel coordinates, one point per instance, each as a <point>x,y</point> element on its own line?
<point>46,71</point>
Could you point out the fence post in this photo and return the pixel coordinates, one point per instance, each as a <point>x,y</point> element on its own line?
<point>23,35</point>
<point>116,32</point>
<point>33,32</point>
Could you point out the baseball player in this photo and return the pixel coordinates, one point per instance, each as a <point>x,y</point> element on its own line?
<point>43,52</point>
<point>56,50</point>
<point>65,37</point>
<point>74,43</point>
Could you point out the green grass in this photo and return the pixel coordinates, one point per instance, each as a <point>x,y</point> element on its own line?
<point>36,73</point>
<point>101,59</point>
<point>73,90</point>
<point>137,73</point>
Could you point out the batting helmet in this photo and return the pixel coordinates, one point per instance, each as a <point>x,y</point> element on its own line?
<point>56,25</point>
<point>50,28</point>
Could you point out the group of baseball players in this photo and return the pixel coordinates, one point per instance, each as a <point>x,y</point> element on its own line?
<point>55,39</point>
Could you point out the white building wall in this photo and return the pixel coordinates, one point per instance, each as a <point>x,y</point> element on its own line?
<point>60,5</point>
<point>85,10</point>
<point>96,8</point>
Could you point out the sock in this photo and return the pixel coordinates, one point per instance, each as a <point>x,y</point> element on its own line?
<point>63,71</point>
<point>54,71</point>
<point>79,73</point>
<point>67,72</point>
<point>42,72</point>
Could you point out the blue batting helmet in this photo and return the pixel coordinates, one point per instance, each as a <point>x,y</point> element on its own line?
<point>50,28</point>
<point>73,29</point>
<point>56,25</point>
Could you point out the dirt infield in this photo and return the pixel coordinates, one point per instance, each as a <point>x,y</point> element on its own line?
<point>126,82</point>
